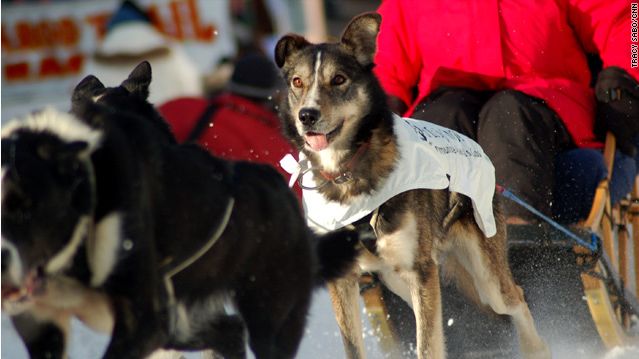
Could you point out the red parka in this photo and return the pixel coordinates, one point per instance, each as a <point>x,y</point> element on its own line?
<point>536,47</point>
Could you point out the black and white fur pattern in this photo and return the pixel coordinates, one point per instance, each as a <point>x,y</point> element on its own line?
<point>103,213</point>
<point>334,108</point>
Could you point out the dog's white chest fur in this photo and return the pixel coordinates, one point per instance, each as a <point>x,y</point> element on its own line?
<point>331,158</point>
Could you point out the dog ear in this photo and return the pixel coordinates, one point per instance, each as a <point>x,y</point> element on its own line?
<point>287,45</point>
<point>83,94</point>
<point>139,80</point>
<point>86,89</point>
<point>360,37</point>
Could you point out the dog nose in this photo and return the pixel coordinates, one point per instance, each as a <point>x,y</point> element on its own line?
<point>308,116</point>
<point>5,259</point>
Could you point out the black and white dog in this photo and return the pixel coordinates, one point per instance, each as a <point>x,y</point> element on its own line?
<point>106,218</point>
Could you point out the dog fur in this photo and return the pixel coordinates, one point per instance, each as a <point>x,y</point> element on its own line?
<point>106,218</point>
<point>335,106</point>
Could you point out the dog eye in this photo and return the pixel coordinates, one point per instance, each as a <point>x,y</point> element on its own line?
<point>338,80</point>
<point>297,82</point>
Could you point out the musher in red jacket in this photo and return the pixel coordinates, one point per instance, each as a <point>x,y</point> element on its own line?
<point>513,75</point>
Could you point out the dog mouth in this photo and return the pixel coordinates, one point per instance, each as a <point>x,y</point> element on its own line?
<point>32,286</point>
<point>319,141</point>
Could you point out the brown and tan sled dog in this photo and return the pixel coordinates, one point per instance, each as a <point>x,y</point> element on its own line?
<point>336,114</point>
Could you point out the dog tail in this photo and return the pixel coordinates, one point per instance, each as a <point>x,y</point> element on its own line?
<point>337,252</point>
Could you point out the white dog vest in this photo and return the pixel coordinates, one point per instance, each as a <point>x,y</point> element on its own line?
<point>431,157</point>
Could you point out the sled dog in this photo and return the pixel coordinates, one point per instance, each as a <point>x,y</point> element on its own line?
<point>106,218</point>
<point>336,114</point>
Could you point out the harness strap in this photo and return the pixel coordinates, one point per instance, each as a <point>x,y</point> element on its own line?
<point>90,239</point>
<point>216,235</point>
<point>205,119</point>
<point>189,261</point>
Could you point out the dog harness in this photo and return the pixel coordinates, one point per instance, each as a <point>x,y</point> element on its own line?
<point>430,157</point>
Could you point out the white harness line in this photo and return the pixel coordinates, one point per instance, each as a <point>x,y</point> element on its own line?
<point>85,229</point>
<point>189,261</point>
<point>216,235</point>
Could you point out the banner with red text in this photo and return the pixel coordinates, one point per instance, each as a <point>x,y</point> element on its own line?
<point>46,44</point>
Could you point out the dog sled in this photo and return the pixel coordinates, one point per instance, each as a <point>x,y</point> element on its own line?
<point>581,291</point>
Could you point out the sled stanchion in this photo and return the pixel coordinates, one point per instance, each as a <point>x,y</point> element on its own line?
<point>594,239</point>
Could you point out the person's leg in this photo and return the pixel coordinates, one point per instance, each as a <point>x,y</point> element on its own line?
<point>624,171</point>
<point>454,108</point>
<point>577,174</point>
<point>522,136</point>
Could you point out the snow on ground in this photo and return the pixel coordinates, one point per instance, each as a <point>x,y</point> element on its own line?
<point>321,341</point>
<point>623,353</point>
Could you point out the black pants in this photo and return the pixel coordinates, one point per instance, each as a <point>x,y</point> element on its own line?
<point>519,133</point>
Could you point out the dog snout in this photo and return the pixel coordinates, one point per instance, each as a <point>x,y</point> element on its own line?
<point>308,116</point>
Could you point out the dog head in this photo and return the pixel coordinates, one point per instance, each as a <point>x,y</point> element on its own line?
<point>47,198</point>
<point>135,87</point>
<point>331,87</point>
<point>130,97</point>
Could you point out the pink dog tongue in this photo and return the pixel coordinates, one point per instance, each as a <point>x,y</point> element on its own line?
<point>317,141</point>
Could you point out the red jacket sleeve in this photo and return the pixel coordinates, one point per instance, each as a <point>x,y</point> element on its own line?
<point>398,61</point>
<point>603,26</point>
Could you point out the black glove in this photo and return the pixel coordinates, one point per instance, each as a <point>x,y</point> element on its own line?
<point>617,96</point>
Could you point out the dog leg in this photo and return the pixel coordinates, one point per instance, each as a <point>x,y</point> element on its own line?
<point>139,297</point>
<point>495,286</point>
<point>44,338</point>
<point>137,331</point>
<point>291,331</point>
<point>345,298</point>
<point>396,284</point>
<point>224,334</point>
<point>426,298</point>
<point>141,313</point>
<point>532,346</point>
